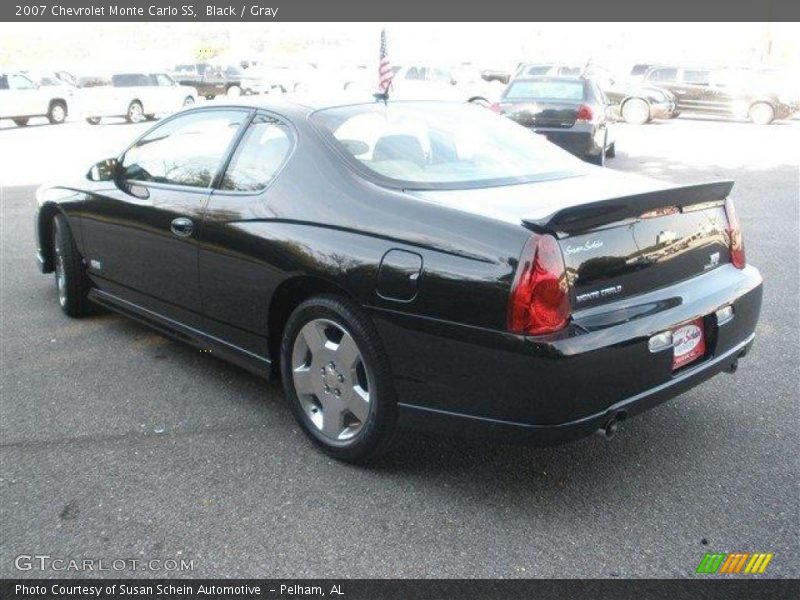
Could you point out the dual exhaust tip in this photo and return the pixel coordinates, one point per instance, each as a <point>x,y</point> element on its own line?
<point>609,430</point>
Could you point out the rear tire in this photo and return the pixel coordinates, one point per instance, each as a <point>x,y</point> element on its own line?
<point>57,113</point>
<point>761,113</point>
<point>636,111</point>
<point>346,403</point>
<point>21,121</point>
<point>72,283</point>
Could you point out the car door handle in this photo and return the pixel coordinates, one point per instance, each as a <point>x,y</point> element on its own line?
<point>182,227</point>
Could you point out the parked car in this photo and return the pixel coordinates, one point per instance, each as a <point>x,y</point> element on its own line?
<point>435,82</point>
<point>604,77</point>
<point>640,104</point>
<point>409,264</point>
<point>571,112</point>
<point>736,93</point>
<point>499,75</point>
<point>21,98</point>
<point>134,96</point>
<point>210,80</point>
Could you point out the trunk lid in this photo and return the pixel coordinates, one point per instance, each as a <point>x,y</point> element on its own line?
<point>541,114</point>
<point>620,234</point>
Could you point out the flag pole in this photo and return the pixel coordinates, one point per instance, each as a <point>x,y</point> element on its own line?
<point>385,73</point>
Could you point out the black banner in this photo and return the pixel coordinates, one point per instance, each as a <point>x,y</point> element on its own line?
<point>407,10</point>
<point>375,589</point>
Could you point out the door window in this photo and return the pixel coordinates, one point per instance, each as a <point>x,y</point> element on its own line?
<point>164,80</point>
<point>186,150</point>
<point>259,156</point>
<point>19,82</point>
<point>696,77</point>
<point>415,73</point>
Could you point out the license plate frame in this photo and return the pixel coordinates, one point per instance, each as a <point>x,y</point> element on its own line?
<point>688,343</point>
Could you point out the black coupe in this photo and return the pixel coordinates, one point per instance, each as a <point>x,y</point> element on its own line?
<point>409,264</point>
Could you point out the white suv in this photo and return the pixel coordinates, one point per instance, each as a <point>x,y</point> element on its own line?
<point>21,99</point>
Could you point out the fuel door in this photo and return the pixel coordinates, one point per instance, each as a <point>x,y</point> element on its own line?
<point>398,275</point>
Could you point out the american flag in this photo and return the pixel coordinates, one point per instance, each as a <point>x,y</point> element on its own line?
<point>385,72</point>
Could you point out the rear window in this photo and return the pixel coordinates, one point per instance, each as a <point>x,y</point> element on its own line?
<point>424,145</point>
<point>546,90</point>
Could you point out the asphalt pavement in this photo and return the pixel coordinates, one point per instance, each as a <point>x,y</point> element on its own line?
<point>117,443</point>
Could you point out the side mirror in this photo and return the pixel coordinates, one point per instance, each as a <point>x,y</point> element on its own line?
<point>105,170</point>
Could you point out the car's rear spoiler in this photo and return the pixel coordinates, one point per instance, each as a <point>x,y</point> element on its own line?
<point>581,217</point>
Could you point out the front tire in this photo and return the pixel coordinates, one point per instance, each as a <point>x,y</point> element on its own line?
<point>135,112</point>
<point>337,380</point>
<point>234,91</point>
<point>761,113</point>
<point>21,121</point>
<point>72,282</point>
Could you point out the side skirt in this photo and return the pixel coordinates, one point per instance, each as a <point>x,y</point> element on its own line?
<point>258,365</point>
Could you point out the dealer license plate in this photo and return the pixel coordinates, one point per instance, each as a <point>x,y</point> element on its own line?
<point>688,343</point>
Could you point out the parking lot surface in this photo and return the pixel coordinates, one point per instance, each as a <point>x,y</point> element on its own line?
<point>117,443</point>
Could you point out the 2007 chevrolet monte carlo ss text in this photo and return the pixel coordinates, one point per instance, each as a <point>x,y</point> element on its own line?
<point>409,264</point>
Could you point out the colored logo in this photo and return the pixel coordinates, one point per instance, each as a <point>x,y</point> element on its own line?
<point>735,562</point>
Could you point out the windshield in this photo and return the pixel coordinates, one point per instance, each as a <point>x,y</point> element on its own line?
<point>429,144</point>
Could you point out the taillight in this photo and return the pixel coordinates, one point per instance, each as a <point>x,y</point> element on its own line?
<point>495,107</point>
<point>735,236</point>
<point>539,301</point>
<point>585,113</point>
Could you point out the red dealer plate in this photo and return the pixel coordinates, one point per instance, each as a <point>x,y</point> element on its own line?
<point>688,343</point>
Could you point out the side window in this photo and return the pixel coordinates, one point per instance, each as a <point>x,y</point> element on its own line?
<point>696,77</point>
<point>665,75</point>
<point>260,154</point>
<point>163,80</point>
<point>19,82</point>
<point>187,150</point>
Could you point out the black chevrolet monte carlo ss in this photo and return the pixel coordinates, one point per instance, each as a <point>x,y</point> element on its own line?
<point>409,264</point>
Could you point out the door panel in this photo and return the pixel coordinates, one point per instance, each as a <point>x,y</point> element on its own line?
<point>142,232</point>
<point>236,264</point>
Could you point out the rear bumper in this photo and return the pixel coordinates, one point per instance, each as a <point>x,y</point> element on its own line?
<point>582,139</point>
<point>468,426</point>
<point>480,383</point>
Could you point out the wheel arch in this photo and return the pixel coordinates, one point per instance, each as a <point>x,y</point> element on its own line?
<point>47,215</point>
<point>286,297</point>
<point>58,100</point>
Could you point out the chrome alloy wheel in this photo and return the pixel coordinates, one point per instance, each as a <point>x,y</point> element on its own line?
<point>61,277</point>
<point>331,379</point>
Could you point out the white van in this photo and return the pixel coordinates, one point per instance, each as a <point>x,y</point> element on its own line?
<point>135,96</point>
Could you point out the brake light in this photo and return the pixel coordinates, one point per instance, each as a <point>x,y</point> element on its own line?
<point>585,113</point>
<point>495,107</point>
<point>539,301</point>
<point>735,236</point>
